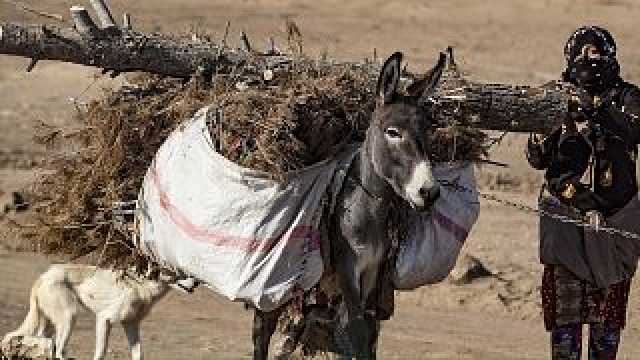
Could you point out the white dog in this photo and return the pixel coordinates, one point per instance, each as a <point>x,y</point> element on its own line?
<point>113,296</point>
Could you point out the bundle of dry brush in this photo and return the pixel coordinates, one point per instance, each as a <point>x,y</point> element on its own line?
<point>276,123</point>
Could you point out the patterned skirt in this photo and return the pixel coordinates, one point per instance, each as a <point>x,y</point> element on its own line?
<point>567,299</point>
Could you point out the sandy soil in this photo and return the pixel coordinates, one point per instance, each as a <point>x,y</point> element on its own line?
<point>502,40</point>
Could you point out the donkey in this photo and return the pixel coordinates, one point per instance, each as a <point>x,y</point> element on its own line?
<point>393,164</point>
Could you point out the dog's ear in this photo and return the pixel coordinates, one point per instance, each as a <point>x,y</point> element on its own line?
<point>152,272</point>
<point>185,285</point>
<point>166,277</point>
<point>149,274</point>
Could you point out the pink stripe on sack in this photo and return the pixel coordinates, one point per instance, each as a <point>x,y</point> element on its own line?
<point>450,226</point>
<point>247,244</point>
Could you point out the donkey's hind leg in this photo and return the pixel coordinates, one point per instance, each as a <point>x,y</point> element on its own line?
<point>264,325</point>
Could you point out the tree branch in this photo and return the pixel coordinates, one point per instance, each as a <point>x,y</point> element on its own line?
<point>124,50</point>
<point>501,106</point>
<point>458,101</point>
<point>82,21</point>
<point>104,14</point>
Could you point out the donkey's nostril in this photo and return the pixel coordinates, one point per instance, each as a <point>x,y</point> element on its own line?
<point>434,193</point>
<point>430,194</point>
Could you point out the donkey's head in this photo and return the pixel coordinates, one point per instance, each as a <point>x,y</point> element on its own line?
<point>397,142</point>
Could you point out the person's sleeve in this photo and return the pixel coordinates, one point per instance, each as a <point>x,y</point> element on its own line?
<point>585,199</point>
<point>631,111</point>
<point>573,157</point>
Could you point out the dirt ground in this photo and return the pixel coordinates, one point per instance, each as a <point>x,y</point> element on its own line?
<point>516,41</point>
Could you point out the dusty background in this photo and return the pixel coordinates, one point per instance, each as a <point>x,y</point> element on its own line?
<point>515,41</point>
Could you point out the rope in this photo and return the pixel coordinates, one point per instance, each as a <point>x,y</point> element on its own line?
<point>541,212</point>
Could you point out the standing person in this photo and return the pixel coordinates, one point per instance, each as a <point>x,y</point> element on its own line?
<point>587,273</point>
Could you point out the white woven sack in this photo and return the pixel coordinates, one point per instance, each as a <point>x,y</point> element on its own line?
<point>435,238</point>
<point>246,236</point>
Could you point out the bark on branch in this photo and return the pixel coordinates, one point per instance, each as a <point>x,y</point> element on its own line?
<point>122,50</point>
<point>485,106</point>
<point>501,106</point>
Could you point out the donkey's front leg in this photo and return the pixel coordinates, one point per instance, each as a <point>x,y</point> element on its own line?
<point>374,330</point>
<point>354,318</point>
<point>264,325</point>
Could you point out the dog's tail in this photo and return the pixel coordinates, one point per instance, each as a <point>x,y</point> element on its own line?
<point>34,324</point>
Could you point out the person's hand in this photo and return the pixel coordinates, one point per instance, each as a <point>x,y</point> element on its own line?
<point>595,219</point>
<point>581,105</point>
<point>534,151</point>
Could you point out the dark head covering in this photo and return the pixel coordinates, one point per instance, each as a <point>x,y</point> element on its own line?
<point>594,75</point>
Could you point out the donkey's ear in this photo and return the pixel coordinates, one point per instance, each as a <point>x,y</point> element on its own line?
<point>389,78</point>
<point>425,87</point>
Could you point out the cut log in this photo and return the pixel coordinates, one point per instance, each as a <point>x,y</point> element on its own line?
<point>28,347</point>
<point>501,106</point>
<point>459,101</point>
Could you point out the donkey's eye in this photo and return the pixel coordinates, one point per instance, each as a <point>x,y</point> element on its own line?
<point>393,133</point>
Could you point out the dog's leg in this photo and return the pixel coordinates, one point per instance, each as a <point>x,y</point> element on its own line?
<point>64,323</point>
<point>103,327</point>
<point>43,329</point>
<point>57,303</point>
<point>132,329</point>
